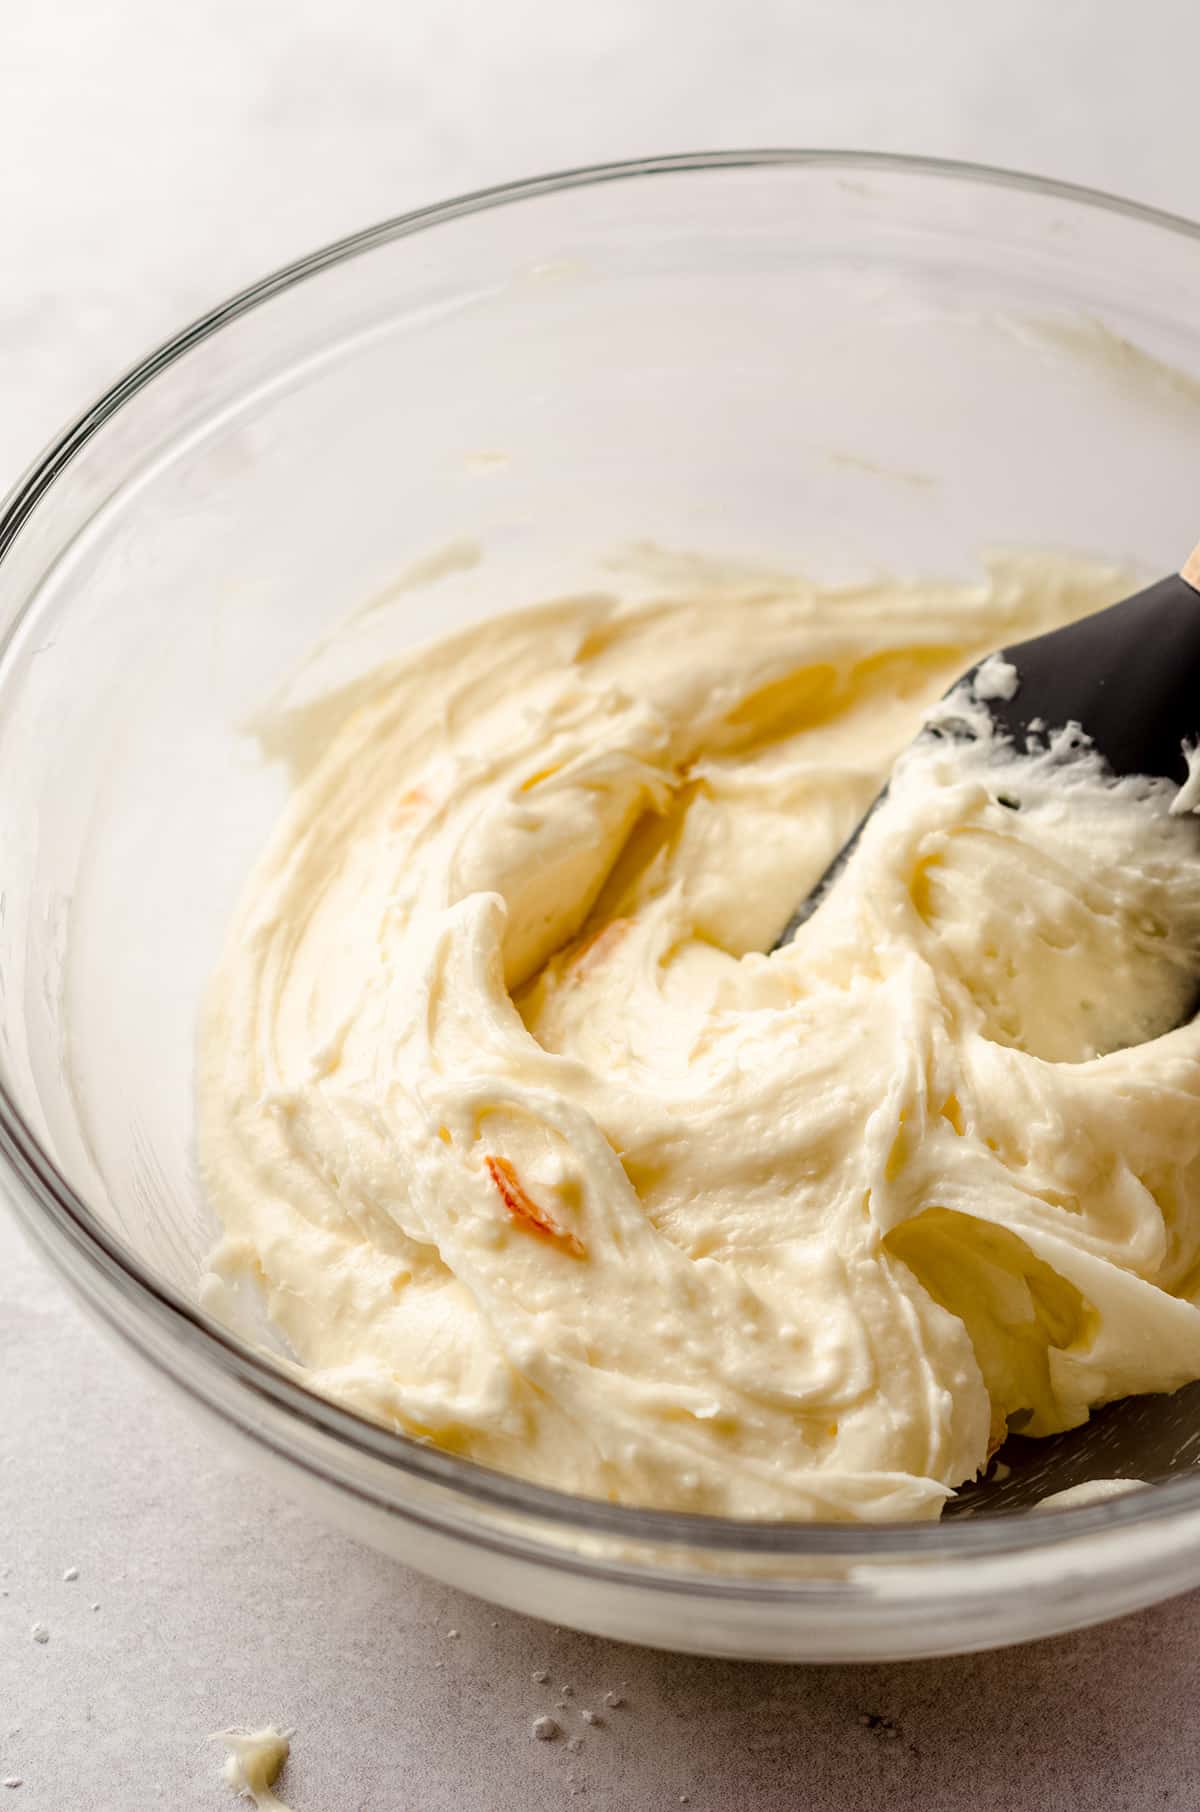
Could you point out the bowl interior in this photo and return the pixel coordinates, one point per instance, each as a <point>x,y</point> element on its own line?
<point>829,367</point>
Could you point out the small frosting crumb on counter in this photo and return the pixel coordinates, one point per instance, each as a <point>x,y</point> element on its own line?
<point>253,1762</point>
<point>538,1150</point>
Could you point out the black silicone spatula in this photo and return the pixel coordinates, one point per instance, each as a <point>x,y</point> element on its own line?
<point>1128,675</point>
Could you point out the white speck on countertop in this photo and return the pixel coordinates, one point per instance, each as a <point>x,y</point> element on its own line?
<point>451,1635</point>
<point>40,1633</point>
<point>568,1692</point>
<point>591,1717</point>
<point>72,1573</point>
<point>546,1729</point>
<point>613,1700</point>
<point>540,1677</point>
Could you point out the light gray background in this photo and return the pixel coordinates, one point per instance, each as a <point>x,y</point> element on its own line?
<point>152,158</point>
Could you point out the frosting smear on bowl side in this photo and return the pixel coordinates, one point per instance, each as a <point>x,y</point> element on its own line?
<point>534,1152</point>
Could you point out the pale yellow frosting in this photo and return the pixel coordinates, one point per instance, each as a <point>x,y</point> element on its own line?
<point>253,1762</point>
<point>535,1153</point>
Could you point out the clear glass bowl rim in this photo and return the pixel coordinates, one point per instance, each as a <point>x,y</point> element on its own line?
<point>117,1283</point>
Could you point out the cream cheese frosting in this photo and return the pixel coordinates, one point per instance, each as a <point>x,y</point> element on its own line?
<point>533,1151</point>
<point>254,1761</point>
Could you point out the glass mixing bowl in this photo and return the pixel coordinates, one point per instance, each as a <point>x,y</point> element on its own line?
<point>838,363</point>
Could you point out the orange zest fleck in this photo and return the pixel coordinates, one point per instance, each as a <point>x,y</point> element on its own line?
<point>408,803</point>
<point>593,950</point>
<point>527,1212</point>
